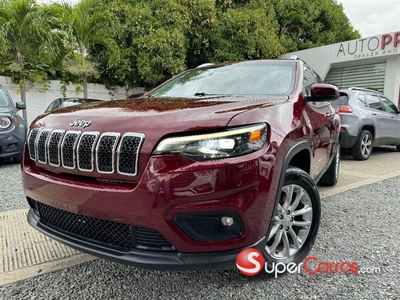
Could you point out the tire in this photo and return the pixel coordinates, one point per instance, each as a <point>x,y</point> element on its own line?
<point>398,147</point>
<point>290,241</point>
<point>363,148</point>
<point>331,176</point>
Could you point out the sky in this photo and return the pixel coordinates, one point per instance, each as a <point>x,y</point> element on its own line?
<point>373,17</point>
<point>369,17</point>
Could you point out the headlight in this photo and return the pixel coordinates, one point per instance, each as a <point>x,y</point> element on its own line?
<point>229,143</point>
<point>5,122</point>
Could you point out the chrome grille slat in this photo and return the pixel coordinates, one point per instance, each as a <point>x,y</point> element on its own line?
<point>41,142</point>
<point>68,148</point>
<point>85,152</point>
<point>89,151</point>
<point>53,147</point>
<point>127,153</point>
<point>31,143</point>
<point>105,152</point>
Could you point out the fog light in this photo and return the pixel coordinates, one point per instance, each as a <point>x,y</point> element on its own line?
<point>12,147</point>
<point>210,226</point>
<point>227,221</point>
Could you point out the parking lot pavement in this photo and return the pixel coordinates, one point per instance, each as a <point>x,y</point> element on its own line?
<point>359,224</point>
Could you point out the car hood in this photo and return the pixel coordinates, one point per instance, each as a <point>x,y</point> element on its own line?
<point>158,116</point>
<point>144,114</point>
<point>7,110</point>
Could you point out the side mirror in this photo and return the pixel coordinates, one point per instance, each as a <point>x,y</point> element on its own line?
<point>322,92</point>
<point>20,105</point>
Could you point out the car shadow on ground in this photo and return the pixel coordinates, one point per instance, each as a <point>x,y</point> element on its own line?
<point>345,154</point>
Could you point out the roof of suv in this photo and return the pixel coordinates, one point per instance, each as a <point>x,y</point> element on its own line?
<point>363,90</point>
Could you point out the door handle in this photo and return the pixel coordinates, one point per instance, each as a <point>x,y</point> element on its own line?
<point>374,114</point>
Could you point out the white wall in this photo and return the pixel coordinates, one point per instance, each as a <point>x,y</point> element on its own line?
<point>37,102</point>
<point>373,49</point>
<point>392,79</point>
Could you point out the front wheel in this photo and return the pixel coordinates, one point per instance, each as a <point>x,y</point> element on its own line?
<point>295,223</point>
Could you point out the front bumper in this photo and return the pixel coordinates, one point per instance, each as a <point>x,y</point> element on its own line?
<point>220,260</point>
<point>245,187</point>
<point>10,146</point>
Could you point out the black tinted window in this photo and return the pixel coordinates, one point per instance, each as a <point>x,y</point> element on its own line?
<point>342,100</point>
<point>374,102</point>
<point>308,80</point>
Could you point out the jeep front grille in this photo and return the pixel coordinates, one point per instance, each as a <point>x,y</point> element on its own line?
<point>86,151</point>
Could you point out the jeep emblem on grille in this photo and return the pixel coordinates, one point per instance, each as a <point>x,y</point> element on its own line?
<point>80,123</point>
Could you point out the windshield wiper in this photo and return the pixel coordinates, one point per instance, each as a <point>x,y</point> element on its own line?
<point>200,94</point>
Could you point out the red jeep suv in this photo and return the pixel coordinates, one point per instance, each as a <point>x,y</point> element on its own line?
<point>215,160</point>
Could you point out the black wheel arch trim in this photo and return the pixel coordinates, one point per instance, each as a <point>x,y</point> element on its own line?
<point>361,128</point>
<point>285,165</point>
<point>328,164</point>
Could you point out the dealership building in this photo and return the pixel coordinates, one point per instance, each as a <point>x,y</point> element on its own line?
<point>370,62</point>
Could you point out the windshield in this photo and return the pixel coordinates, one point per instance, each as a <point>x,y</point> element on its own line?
<point>244,78</point>
<point>77,102</point>
<point>4,99</point>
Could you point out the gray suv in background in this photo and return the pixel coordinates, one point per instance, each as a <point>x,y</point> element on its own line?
<point>12,128</point>
<point>368,119</point>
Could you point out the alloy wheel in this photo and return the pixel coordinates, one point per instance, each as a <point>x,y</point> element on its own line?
<point>291,223</point>
<point>366,145</point>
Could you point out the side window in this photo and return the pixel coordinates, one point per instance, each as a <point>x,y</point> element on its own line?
<point>374,102</point>
<point>308,80</point>
<point>361,100</point>
<point>317,78</point>
<point>389,106</point>
<point>53,106</point>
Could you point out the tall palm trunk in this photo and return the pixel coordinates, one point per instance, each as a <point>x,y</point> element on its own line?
<point>85,88</point>
<point>22,79</point>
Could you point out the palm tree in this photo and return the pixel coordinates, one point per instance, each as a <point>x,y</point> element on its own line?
<point>25,37</point>
<point>292,24</point>
<point>85,25</point>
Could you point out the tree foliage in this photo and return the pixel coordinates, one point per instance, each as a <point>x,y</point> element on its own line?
<point>27,43</point>
<point>158,39</point>
<point>144,42</point>
<point>83,26</point>
<point>311,23</point>
<point>244,30</point>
